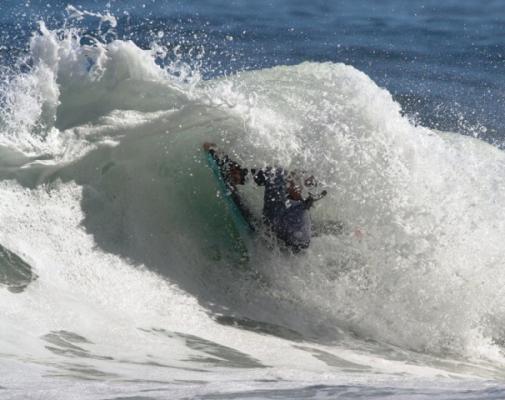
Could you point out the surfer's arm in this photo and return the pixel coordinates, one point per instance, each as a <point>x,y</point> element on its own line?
<point>211,148</point>
<point>207,146</point>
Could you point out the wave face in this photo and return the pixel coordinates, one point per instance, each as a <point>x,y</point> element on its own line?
<point>117,262</point>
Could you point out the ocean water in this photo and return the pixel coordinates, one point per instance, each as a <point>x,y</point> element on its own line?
<point>121,273</point>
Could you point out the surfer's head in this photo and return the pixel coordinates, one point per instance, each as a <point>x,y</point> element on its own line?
<point>297,183</point>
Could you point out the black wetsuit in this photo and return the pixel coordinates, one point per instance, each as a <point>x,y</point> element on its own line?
<point>288,218</point>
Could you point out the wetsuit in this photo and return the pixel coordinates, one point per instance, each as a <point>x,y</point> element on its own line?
<point>289,219</point>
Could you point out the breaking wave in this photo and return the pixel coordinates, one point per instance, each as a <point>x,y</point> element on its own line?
<point>107,201</point>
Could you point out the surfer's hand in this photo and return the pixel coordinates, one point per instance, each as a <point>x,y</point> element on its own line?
<point>209,146</point>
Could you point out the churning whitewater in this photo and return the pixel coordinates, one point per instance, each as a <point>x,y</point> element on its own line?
<point>117,264</point>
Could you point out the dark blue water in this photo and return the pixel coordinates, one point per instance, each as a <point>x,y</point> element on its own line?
<point>443,61</point>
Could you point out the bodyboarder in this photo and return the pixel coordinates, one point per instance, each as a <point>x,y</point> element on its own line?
<point>285,210</point>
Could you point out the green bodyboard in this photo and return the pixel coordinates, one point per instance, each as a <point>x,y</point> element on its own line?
<point>242,229</point>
